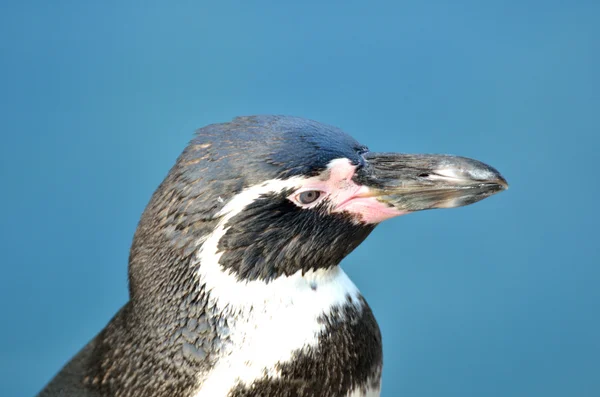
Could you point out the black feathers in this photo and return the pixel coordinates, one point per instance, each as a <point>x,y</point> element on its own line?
<point>273,237</point>
<point>259,148</point>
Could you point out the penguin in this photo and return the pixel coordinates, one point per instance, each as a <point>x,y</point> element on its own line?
<point>235,284</point>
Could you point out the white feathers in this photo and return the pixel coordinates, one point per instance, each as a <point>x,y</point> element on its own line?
<point>369,392</point>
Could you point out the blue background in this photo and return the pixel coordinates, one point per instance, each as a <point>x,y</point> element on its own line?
<point>502,298</point>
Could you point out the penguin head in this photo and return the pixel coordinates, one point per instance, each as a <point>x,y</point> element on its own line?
<point>270,196</point>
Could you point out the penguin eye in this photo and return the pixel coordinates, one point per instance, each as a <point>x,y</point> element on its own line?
<point>308,197</point>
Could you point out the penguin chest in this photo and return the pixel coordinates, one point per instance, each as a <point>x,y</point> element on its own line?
<point>320,334</point>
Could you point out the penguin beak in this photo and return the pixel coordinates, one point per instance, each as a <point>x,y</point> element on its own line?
<point>415,182</point>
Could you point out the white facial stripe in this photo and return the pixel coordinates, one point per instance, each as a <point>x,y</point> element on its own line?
<point>247,196</point>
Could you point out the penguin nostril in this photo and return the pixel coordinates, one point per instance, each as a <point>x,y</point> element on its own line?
<point>424,175</point>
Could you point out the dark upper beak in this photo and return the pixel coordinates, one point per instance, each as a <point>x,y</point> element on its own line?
<point>413,182</point>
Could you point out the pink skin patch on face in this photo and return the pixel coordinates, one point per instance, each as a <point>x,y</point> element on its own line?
<point>337,185</point>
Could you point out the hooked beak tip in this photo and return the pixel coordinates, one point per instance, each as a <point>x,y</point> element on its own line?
<point>419,182</point>
<point>502,182</point>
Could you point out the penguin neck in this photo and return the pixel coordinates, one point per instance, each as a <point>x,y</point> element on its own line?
<point>280,319</point>
<point>230,295</point>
